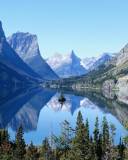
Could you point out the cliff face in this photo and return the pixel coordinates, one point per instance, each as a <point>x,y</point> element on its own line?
<point>26,46</point>
<point>10,58</point>
<point>123,56</point>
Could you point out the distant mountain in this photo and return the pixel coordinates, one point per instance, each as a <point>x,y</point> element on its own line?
<point>71,65</point>
<point>94,62</point>
<point>66,65</point>
<point>10,58</point>
<point>112,74</point>
<point>26,45</point>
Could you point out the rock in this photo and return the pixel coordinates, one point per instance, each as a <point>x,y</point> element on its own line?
<point>26,45</point>
<point>123,56</point>
<point>122,86</point>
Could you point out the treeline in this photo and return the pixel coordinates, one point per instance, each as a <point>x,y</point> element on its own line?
<point>72,144</point>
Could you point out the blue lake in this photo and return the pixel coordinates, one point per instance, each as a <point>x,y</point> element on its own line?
<point>40,113</point>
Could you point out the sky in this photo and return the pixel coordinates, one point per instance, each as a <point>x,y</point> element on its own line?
<point>89,27</point>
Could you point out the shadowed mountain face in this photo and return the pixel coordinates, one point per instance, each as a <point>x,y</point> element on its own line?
<point>26,45</point>
<point>10,58</point>
<point>23,108</point>
<point>9,78</point>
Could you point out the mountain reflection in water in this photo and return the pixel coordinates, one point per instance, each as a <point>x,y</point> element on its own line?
<point>40,113</point>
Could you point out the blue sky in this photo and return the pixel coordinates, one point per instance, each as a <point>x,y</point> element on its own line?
<point>89,27</point>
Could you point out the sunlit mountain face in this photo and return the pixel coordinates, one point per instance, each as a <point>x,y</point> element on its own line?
<point>40,112</point>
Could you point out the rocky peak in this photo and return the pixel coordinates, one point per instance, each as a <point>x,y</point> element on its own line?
<point>25,44</point>
<point>66,65</point>
<point>2,35</point>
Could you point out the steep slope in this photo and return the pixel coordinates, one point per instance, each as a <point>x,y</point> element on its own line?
<point>123,56</point>
<point>87,63</point>
<point>26,45</point>
<point>9,57</point>
<point>66,65</point>
<point>10,79</point>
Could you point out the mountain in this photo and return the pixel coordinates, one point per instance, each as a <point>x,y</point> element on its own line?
<point>66,65</point>
<point>26,45</point>
<point>94,62</point>
<point>123,56</point>
<point>108,76</point>
<point>71,65</point>
<point>10,58</point>
<point>9,79</point>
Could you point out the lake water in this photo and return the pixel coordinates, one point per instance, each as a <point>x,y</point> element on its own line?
<point>41,115</point>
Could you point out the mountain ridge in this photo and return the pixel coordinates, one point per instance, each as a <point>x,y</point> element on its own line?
<point>26,46</point>
<point>9,57</point>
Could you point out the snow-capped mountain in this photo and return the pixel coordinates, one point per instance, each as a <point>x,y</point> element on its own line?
<point>87,63</point>
<point>71,65</point>
<point>66,65</point>
<point>26,45</point>
<point>94,62</point>
<point>10,58</point>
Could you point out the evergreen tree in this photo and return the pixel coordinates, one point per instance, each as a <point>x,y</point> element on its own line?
<point>46,151</point>
<point>80,147</point>
<point>99,151</point>
<point>121,148</point>
<point>20,145</point>
<point>7,151</point>
<point>105,134</point>
<point>4,136</point>
<point>5,145</point>
<point>32,152</point>
<point>87,131</point>
<point>96,131</point>
<point>65,138</point>
<point>97,140</point>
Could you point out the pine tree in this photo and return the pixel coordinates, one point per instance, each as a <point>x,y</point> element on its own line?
<point>80,147</point>
<point>87,131</point>
<point>97,140</point>
<point>4,136</point>
<point>32,152</point>
<point>65,138</point>
<point>121,149</point>
<point>106,142</point>
<point>46,151</point>
<point>20,145</point>
<point>7,151</point>
<point>105,134</point>
<point>96,131</point>
<point>99,151</point>
<point>6,148</point>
